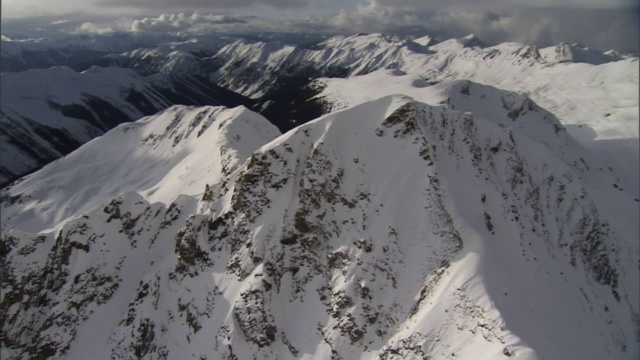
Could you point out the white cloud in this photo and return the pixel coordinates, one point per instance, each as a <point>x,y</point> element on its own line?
<point>616,28</point>
<point>493,21</point>
<point>93,28</point>
<point>203,5</point>
<point>168,23</point>
<point>366,16</point>
<point>181,22</point>
<point>494,5</point>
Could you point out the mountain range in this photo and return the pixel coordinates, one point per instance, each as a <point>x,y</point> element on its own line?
<point>47,113</point>
<point>369,197</point>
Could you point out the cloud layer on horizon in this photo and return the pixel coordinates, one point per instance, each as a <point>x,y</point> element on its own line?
<point>602,29</point>
<point>181,21</point>
<point>617,28</point>
<point>494,5</point>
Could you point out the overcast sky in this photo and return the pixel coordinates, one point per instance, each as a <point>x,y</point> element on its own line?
<point>26,8</point>
<point>600,24</point>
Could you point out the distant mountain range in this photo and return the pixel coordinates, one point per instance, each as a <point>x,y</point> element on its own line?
<point>370,197</point>
<point>279,78</point>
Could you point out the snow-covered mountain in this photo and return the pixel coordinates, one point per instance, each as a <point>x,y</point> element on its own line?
<point>597,101</point>
<point>466,224</point>
<point>612,139</point>
<point>176,152</point>
<point>583,96</point>
<point>576,53</point>
<point>47,113</point>
<point>160,61</point>
<point>252,67</point>
<point>190,57</point>
<point>82,51</point>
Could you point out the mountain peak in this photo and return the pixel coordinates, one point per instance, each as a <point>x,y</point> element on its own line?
<point>391,224</point>
<point>419,213</point>
<point>424,41</point>
<point>471,40</point>
<point>575,53</point>
<point>185,145</point>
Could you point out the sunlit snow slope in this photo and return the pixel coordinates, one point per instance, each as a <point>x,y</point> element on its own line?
<point>176,152</point>
<point>389,229</point>
<point>612,142</point>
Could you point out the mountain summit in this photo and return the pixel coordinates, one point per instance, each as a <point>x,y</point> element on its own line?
<point>389,229</point>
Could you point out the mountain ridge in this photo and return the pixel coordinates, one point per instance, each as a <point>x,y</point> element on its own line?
<point>415,209</point>
<point>67,109</point>
<point>455,222</point>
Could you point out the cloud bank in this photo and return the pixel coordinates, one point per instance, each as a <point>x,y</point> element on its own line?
<point>200,5</point>
<point>494,5</point>
<point>598,28</point>
<point>598,24</point>
<point>181,22</point>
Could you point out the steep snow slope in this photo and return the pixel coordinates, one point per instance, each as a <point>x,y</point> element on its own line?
<point>390,229</point>
<point>598,102</point>
<point>251,68</point>
<point>176,152</point>
<point>612,140</point>
<point>48,113</point>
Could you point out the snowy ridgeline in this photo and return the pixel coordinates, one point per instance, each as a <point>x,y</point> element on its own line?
<point>462,222</point>
<point>595,95</point>
<point>53,111</point>
<point>48,113</point>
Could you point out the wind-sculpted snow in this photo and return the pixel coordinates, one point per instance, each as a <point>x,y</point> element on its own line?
<point>389,229</point>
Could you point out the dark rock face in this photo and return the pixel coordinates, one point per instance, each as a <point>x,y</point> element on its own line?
<point>291,101</point>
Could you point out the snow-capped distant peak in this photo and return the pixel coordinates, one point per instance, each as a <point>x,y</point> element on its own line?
<point>575,53</point>
<point>471,40</point>
<point>424,41</point>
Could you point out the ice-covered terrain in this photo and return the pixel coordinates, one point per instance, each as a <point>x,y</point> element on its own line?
<point>576,53</point>
<point>47,113</point>
<point>393,228</point>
